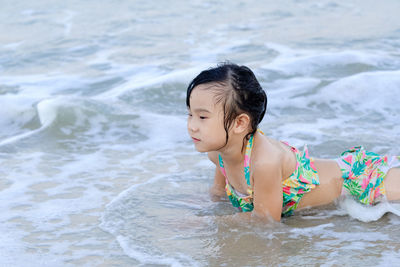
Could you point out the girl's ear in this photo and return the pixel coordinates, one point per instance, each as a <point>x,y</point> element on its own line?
<point>242,123</point>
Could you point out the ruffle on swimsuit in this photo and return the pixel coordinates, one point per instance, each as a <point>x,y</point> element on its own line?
<point>364,173</point>
<point>302,180</point>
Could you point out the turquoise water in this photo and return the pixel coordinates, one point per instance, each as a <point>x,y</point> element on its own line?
<point>96,167</point>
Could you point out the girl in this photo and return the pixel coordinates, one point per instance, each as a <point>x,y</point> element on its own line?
<point>266,177</point>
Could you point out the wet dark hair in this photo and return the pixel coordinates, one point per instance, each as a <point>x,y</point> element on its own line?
<point>239,91</point>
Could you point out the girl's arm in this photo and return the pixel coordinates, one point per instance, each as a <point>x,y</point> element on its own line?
<point>218,188</point>
<point>268,191</point>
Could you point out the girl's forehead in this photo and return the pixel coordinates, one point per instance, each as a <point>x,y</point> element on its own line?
<point>211,86</point>
<point>204,97</point>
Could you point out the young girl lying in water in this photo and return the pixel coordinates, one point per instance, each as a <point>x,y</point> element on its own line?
<point>264,176</point>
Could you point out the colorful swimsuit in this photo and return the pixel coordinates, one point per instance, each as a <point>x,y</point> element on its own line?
<point>364,173</point>
<point>302,180</point>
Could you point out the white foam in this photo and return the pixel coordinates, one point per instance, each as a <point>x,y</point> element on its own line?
<point>163,130</point>
<point>113,222</point>
<point>370,90</point>
<point>19,192</point>
<point>16,110</point>
<point>306,62</point>
<point>75,114</point>
<point>367,213</point>
<point>42,86</point>
<point>13,253</point>
<point>134,251</point>
<point>146,77</point>
<point>282,89</point>
<point>47,112</point>
<point>206,55</point>
<point>313,229</point>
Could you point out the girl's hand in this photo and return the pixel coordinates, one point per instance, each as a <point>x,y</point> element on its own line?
<point>217,190</point>
<point>216,193</point>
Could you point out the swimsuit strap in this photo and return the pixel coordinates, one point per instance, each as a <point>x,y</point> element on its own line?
<point>247,156</point>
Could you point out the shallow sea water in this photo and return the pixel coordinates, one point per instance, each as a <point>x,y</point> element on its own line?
<point>96,167</point>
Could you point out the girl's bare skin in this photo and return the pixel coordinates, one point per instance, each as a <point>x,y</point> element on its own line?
<point>272,161</point>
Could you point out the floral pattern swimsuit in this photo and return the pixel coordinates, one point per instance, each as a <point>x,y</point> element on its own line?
<point>363,173</point>
<point>302,180</point>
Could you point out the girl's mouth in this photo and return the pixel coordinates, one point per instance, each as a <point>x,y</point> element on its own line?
<point>195,140</point>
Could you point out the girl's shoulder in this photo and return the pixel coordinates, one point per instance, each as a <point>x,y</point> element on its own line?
<point>268,152</point>
<point>273,157</point>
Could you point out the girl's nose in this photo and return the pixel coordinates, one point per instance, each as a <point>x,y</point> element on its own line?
<point>192,126</point>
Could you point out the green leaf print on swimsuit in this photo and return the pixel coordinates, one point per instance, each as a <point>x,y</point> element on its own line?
<point>364,173</point>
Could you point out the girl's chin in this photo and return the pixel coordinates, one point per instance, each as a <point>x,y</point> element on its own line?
<point>201,149</point>
<point>209,149</point>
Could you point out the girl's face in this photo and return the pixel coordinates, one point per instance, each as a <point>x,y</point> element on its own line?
<point>206,119</point>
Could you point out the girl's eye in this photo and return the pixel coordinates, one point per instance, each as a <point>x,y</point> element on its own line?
<point>203,118</point>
